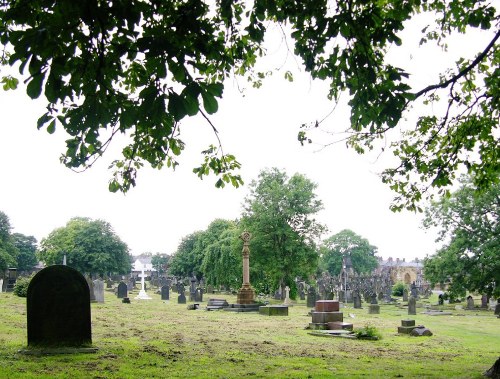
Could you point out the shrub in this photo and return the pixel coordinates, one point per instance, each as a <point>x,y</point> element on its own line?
<point>21,286</point>
<point>369,332</point>
<point>398,289</point>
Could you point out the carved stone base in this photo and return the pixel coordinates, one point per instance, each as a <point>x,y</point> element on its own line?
<point>246,295</point>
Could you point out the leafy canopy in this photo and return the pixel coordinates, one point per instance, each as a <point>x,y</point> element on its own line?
<point>348,244</point>
<point>469,224</point>
<point>8,251</point>
<point>279,212</point>
<point>140,67</point>
<point>27,247</point>
<point>90,246</point>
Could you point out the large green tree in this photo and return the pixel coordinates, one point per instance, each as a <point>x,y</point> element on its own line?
<point>140,67</point>
<point>8,251</point>
<point>469,223</point>
<point>188,257</point>
<point>160,262</point>
<point>27,247</point>
<point>348,244</point>
<point>279,212</point>
<point>90,246</point>
<point>222,254</point>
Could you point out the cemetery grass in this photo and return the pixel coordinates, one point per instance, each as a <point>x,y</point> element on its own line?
<point>157,339</point>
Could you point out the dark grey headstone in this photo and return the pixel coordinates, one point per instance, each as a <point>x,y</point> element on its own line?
<point>165,292</point>
<point>311,297</point>
<point>181,299</point>
<point>122,290</point>
<point>99,290</point>
<point>412,306</point>
<point>58,308</point>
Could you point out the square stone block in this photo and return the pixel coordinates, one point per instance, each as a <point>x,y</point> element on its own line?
<point>405,329</point>
<point>326,317</point>
<point>374,309</point>
<point>274,310</point>
<point>327,306</point>
<point>318,326</point>
<point>337,325</point>
<point>407,322</point>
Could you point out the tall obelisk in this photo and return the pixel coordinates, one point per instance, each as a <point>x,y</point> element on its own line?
<point>246,294</point>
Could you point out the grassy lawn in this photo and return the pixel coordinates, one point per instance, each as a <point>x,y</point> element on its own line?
<point>157,339</point>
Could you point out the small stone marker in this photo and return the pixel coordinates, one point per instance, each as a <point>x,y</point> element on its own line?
<point>58,308</point>
<point>165,292</point>
<point>311,297</point>
<point>99,290</point>
<point>412,306</point>
<point>373,309</point>
<point>406,326</point>
<point>274,310</point>
<point>122,291</point>
<point>420,331</point>
<point>287,301</point>
<point>470,302</point>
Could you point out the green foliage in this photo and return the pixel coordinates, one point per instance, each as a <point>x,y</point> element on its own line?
<point>469,225</point>
<point>8,250</point>
<point>90,246</point>
<point>21,286</point>
<point>348,244</point>
<point>188,257</point>
<point>368,332</point>
<point>279,212</point>
<point>160,262</point>
<point>398,289</point>
<point>26,246</point>
<point>140,68</point>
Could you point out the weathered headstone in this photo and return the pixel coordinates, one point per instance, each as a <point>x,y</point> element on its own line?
<point>484,301</point>
<point>405,294</point>
<point>90,283</point>
<point>122,290</point>
<point>99,290</point>
<point>357,300</point>
<point>165,292</point>
<point>198,295</point>
<point>311,297</point>
<point>181,299</point>
<point>412,306</point>
<point>470,302</point>
<point>287,301</point>
<point>58,308</point>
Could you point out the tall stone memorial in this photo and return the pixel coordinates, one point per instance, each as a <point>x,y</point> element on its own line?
<point>58,308</point>
<point>246,294</point>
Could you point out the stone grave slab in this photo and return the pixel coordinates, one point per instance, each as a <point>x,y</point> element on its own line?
<point>274,310</point>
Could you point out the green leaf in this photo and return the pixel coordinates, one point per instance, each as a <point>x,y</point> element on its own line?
<point>34,88</point>
<point>209,103</point>
<point>52,127</point>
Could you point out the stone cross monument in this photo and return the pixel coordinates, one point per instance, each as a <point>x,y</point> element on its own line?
<point>246,294</point>
<point>142,293</point>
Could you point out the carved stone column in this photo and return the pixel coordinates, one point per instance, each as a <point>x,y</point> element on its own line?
<point>246,294</point>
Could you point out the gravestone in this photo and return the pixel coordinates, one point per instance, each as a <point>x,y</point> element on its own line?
<point>198,295</point>
<point>99,290</point>
<point>90,283</point>
<point>412,306</point>
<point>165,292</point>
<point>374,299</point>
<point>484,301</point>
<point>470,302</point>
<point>58,308</point>
<point>181,299</point>
<point>287,301</point>
<point>311,297</point>
<point>405,294</point>
<point>122,290</point>
<point>109,283</point>
<point>357,300</point>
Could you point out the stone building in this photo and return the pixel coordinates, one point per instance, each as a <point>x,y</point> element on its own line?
<point>401,271</point>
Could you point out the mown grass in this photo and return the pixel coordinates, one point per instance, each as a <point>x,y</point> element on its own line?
<point>156,339</point>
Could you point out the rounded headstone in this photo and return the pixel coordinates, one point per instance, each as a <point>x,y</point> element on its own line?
<point>58,308</point>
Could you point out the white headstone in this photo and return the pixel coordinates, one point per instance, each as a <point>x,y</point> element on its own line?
<point>287,296</point>
<point>142,293</point>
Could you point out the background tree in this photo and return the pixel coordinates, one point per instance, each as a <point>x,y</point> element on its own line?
<point>27,247</point>
<point>8,251</point>
<point>188,257</point>
<point>160,262</point>
<point>91,246</point>
<point>279,212</point>
<point>348,244</point>
<point>222,264</point>
<point>470,229</point>
<point>139,68</point>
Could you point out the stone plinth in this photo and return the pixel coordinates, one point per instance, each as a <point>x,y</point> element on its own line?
<point>406,326</point>
<point>326,317</point>
<point>373,309</point>
<point>274,310</point>
<point>246,295</point>
<point>339,325</point>
<point>327,306</point>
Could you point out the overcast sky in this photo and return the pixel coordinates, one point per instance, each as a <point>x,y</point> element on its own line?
<point>259,126</point>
